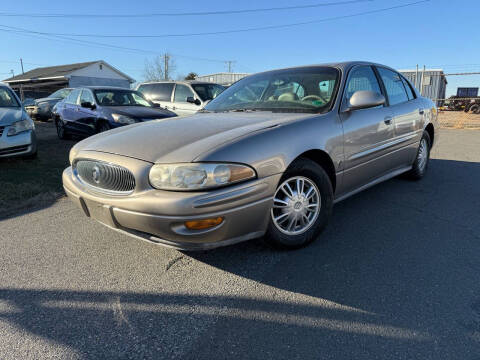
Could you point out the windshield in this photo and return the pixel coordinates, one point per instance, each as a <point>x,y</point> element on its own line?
<point>208,91</point>
<point>120,97</point>
<point>62,93</point>
<point>308,89</point>
<point>7,99</point>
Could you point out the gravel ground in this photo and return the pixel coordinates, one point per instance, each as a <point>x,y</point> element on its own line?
<point>394,276</point>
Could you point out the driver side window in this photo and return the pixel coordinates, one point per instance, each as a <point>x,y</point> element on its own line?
<point>361,78</point>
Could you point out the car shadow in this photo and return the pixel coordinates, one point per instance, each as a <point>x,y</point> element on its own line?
<point>376,222</point>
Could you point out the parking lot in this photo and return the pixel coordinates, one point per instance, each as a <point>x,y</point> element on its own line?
<point>396,281</point>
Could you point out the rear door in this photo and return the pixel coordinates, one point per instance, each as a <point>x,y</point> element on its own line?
<point>180,104</point>
<point>368,133</point>
<point>408,115</point>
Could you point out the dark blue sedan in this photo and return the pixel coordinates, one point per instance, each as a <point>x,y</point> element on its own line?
<point>90,110</point>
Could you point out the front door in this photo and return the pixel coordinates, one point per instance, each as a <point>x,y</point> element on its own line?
<point>368,133</point>
<point>87,117</point>
<point>180,104</point>
<point>70,111</point>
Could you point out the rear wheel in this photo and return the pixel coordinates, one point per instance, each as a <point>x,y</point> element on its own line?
<point>61,131</point>
<point>420,165</point>
<point>475,109</point>
<point>301,207</point>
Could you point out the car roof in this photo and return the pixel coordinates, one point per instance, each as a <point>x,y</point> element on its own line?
<point>97,87</point>
<point>343,65</point>
<point>178,82</point>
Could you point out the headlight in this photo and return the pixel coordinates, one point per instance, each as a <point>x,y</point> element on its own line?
<point>122,119</point>
<point>197,176</point>
<point>20,126</point>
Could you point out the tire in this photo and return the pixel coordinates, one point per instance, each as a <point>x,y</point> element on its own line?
<point>61,131</point>
<point>103,126</point>
<point>475,109</point>
<point>308,220</point>
<point>420,165</point>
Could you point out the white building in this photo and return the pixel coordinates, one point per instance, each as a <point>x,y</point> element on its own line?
<point>225,78</point>
<point>43,81</point>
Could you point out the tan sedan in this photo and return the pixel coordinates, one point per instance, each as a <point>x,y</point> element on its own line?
<point>268,157</point>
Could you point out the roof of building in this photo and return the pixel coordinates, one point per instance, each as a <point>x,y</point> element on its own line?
<point>57,71</point>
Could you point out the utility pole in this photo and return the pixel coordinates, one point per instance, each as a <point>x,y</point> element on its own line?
<point>416,77</point>
<point>13,74</point>
<point>421,80</point>
<point>165,66</point>
<point>229,65</point>
<point>21,63</point>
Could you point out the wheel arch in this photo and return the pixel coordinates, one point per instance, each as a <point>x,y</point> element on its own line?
<point>324,160</point>
<point>98,122</point>
<point>431,132</point>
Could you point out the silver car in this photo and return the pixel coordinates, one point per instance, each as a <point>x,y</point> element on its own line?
<point>17,130</point>
<point>181,97</point>
<point>268,157</point>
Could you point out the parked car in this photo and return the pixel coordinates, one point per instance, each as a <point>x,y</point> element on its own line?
<point>41,109</point>
<point>90,110</point>
<point>182,97</point>
<point>269,156</point>
<point>17,130</point>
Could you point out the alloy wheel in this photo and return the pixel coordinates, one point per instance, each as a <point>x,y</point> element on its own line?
<point>296,205</point>
<point>422,154</point>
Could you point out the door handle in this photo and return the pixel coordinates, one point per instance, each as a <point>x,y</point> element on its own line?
<point>387,120</point>
<point>421,111</point>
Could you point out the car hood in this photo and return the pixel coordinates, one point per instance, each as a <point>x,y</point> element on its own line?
<point>47,99</point>
<point>10,115</point>
<point>182,139</point>
<point>139,111</point>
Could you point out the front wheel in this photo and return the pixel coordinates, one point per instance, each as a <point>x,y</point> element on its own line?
<point>301,207</point>
<point>103,126</point>
<point>420,165</point>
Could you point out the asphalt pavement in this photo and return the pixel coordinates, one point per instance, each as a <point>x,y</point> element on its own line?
<point>396,275</point>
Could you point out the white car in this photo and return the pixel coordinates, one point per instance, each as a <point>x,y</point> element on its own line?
<point>181,97</point>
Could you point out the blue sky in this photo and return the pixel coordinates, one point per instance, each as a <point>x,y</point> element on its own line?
<point>435,33</point>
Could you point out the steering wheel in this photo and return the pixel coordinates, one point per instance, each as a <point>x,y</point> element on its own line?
<point>314,97</point>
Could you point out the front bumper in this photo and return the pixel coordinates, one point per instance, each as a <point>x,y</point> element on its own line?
<point>159,216</point>
<point>39,112</point>
<point>22,144</point>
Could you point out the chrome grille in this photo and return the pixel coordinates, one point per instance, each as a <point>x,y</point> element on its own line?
<point>105,176</point>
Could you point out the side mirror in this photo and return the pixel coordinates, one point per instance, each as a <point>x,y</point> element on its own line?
<point>365,99</point>
<point>192,100</point>
<point>88,105</point>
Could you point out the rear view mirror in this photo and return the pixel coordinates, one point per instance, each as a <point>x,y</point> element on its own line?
<point>192,100</point>
<point>365,99</point>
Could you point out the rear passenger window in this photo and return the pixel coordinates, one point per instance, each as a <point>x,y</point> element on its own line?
<point>157,92</point>
<point>410,93</point>
<point>394,86</point>
<point>362,78</point>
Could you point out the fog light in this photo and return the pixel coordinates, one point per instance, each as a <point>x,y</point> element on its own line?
<point>203,224</point>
